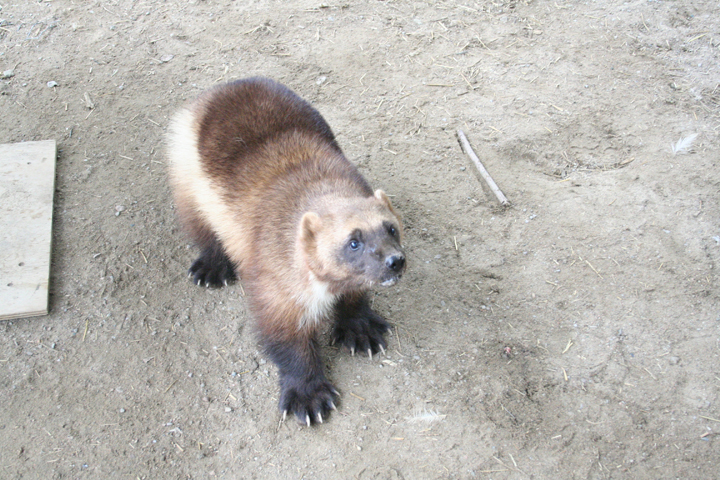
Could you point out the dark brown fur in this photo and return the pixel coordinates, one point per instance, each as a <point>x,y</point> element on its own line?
<point>263,188</point>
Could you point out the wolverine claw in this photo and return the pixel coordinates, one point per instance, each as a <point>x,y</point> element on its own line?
<point>310,401</point>
<point>358,328</point>
<point>213,268</point>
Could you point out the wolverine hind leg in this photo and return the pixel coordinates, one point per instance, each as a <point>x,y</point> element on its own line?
<point>213,268</point>
<point>358,327</point>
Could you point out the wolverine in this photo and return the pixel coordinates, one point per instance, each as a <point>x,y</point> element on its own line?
<point>262,187</point>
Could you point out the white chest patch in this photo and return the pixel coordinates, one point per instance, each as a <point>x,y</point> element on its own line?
<point>318,302</point>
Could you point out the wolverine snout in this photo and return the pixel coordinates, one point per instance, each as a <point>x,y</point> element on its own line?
<point>395,262</point>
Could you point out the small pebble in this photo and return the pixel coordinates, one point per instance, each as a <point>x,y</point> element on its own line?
<point>52,84</point>
<point>674,360</point>
<point>7,74</point>
<point>118,209</point>
<point>228,409</point>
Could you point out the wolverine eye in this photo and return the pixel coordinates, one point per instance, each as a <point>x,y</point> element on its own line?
<point>390,228</point>
<point>354,244</point>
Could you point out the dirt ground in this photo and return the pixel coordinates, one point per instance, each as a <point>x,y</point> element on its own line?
<point>572,335</point>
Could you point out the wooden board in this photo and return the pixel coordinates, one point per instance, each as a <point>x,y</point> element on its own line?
<point>27,185</point>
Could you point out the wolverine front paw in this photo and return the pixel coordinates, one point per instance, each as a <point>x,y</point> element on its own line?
<point>212,269</point>
<point>311,402</point>
<point>363,333</point>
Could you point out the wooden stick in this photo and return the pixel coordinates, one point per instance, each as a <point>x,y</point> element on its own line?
<point>478,164</point>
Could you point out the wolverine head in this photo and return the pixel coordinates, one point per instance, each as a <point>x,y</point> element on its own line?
<point>354,243</point>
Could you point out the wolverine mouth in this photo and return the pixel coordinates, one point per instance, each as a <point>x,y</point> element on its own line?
<point>390,281</point>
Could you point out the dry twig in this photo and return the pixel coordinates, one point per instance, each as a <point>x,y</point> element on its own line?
<point>483,172</point>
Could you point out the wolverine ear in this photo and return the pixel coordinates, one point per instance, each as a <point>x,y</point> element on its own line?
<point>380,195</point>
<point>309,226</point>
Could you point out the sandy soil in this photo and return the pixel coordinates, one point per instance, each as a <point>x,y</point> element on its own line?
<point>572,335</point>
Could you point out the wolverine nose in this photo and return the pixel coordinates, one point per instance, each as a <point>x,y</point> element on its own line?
<point>395,262</point>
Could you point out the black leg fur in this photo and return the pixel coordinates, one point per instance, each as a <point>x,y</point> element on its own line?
<point>358,327</point>
<point>304,390</point>
<point>213,268</point>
